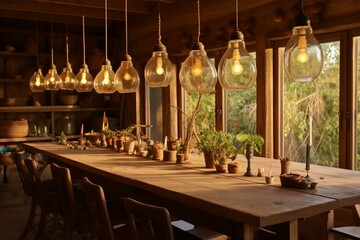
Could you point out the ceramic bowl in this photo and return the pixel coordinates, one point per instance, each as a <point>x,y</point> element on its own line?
<point>289,180</point>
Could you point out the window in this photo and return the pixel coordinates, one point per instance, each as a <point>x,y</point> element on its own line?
<point>319,99</point>
<point>240,107</point>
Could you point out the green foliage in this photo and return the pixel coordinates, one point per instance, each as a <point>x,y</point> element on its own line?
<point>218,143</point>
<point>254,140</point>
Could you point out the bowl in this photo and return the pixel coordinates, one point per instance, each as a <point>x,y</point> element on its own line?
<point>6,155</point>
<point>289,180</point>
<point>68,99</point>
<point>13,101</point>
<point>92,136</point>
<point>13,128</point>
<point>9,48</point>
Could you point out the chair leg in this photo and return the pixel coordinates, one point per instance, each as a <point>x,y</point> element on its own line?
<point>42,223</point>
<point>55,225</point>
<point>30,221</point>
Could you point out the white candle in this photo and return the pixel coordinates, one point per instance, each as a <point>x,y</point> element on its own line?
<point>82,129</point>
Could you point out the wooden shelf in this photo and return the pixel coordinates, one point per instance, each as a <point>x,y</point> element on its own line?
<point>26,139</point>
<point>65,108</point>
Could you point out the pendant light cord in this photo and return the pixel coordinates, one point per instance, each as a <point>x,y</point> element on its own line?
<point>159,16</point>
<point>37,35</point>
<point>67,45</point>
<point>83,29</point>
<point>52,44</point>
<point>198,19</point>
<point>302,6</point>
<point>237,14</point>
<point>126,30</point>
<point>106,57</point>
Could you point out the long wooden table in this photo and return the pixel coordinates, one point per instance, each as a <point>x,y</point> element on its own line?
<point>229,203</point>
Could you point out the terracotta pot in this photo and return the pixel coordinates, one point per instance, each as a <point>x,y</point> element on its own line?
<point>12,128</point>
<point>129,146</point>
<point>209,162</point>
<point>180,158</point>
<point>172,145</point>
<point>170,155</point>
<point>233,168</point>
<point>158,154</point>
<point>221,168</point>
<point>285,167</point>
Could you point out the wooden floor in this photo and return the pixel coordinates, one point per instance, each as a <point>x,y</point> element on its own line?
<point>14,206</point>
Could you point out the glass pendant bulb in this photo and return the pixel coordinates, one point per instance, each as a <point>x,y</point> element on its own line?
<point>127,78</point>
<point>303,53</point>
<point>52,79</point>
<point>198,73</point>
<point>237,69</point>
<point>36,82</point>
<point>67,78</point>
<point>84,82</point>
<point>104,80</point>
<point>159,69</point>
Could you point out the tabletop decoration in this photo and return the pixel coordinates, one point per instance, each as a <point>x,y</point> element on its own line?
<point>285,165</point>
<point>248,144</point>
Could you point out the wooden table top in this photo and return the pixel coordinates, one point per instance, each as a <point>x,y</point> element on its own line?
<point>242,199</point>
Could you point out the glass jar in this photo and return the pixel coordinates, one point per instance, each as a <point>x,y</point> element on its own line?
<point>66,124</point>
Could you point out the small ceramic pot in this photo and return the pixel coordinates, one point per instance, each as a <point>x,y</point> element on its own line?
<point>233,167</point>
<point>269,179</point>
<point>221,168</point>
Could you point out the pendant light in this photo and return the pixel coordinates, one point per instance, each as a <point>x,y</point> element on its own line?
<point>237,69</point>
<point>159,69</point>
<point>126,78</point>
<point>198,73</point>
<point>84,82</point>
<point>67,76</point>
<point>52,79</point>
<point>104,80</point>
<point>303,54</point>
<point>36,82</point>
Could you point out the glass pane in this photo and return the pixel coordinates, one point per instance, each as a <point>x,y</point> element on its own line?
<point>320,99</point>
<point>205,118</point>
<point>240,115</point>
<point>155,113</point>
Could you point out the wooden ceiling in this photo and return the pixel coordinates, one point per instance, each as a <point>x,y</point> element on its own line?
<point>70,10</point>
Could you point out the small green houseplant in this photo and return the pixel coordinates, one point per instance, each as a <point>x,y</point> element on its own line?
<point>220,146</point>
<point>205,145</point>
<point>248,144</point>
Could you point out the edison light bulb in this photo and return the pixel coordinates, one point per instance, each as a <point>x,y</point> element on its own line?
<point>36,82</point>
<point>159,66</point>
<point>237,69</point>
<point>302,56</point>
<point>198,73</point>
<point>159,70</point>
<point>303,53</point>
<point>84,82</point>
<point>104,81</point>
<point>67,78</point>
<point>197,69</point>
<point>52,80</point>
<point>126,77</point>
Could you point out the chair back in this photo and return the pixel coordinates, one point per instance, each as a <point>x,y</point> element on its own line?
<point>65,192</point>
<point>95,198</point>
<point>23,173</point>
<point>148,222</point>
<point>36,182</point>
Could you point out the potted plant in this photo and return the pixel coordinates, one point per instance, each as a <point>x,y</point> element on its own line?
<point>126,138</point>
<point>222,149</point>
<point>248,144</point>
<point>205,144</point>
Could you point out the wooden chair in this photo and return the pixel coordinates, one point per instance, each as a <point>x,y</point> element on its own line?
<point>29,190</point>
<point>148,221</point>
<point>352,232</point>
<point>45,200</point>
<point>73,218</point>
<point>102,225</point>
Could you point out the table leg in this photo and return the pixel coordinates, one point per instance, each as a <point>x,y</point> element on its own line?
<point>249,231</point>
<point>293,230</point>
<point>330,224</point>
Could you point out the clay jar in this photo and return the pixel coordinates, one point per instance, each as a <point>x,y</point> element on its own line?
<point>285,166</point>
<point>158,151</point>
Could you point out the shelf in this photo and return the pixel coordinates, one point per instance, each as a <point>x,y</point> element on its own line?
<point>64,108</point>
<point>26,139</point>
